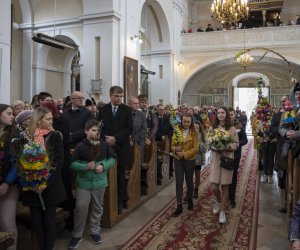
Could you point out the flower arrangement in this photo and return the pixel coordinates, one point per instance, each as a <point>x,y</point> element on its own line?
<point>34,169</point>
<point>177,134</point>
<point>218,138</point>
<point>95,149</point>
<point>289,115</point>
<point>263,115</point>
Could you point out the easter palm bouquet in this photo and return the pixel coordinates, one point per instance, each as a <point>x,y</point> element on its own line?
<point>34,169</point>
<point>218,138</point>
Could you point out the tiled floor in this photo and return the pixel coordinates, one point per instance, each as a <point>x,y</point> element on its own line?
<point>272,226</point>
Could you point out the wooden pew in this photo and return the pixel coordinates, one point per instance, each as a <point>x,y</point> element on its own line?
<point>110,214</point>
<point>133,177</point>
<point>149,167</point>
<point>163,158</point>
<point>6,240</point>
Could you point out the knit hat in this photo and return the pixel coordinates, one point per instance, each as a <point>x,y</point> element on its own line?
<point>23,116</point>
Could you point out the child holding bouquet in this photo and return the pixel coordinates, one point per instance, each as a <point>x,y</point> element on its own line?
<point>92,159</point>
<point>43,199</point>
<point>223,141</point>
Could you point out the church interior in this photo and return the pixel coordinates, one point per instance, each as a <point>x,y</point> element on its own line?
<point>196,55</point>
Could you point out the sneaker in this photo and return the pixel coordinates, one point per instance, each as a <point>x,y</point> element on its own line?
<point>263,178</point>
<point>216,208</point>
<point>96,238</point>
<point>222,217</point>
<point>74,243</point>
<point>270,179</point>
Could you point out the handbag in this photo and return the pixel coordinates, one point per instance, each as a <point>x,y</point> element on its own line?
<point>226,163</point>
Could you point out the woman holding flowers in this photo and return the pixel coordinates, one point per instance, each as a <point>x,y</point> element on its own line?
<point>8,173</point>
<point>52,191</point>
<point>223,141</point>
<point>185,147</point>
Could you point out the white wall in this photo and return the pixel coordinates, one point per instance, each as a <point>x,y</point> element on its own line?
<point>5,33</point>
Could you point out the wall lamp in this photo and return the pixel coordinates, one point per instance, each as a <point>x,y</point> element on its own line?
<point>53,42</point>
<point>180,63</point>
<point>136,38</point>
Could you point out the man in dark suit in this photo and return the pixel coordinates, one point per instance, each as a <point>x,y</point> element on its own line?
<point>117,127</point>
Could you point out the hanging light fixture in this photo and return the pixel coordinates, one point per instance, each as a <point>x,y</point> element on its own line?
<point>244,60</point>
<point>230,11</point>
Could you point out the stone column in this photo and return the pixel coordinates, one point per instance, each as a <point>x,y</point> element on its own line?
<point>264,17</point>
<point>289,11</point>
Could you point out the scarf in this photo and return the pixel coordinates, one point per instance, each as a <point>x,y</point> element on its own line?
<point>39,136</point>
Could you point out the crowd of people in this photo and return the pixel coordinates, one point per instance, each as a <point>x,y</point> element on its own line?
<point>90,138</point>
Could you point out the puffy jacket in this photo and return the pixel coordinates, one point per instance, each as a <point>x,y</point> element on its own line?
<point>89,179</point>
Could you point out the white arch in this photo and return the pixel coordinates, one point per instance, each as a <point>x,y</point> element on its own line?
<point>163,18</point>
<point>26,11</point>
<point>202,66</point>
<point>43,50</point>
<point>217,59</point>
<point>254,75</point>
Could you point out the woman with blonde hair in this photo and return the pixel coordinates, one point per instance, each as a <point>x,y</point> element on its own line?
<point>41,130</point>
<point>185,151</point>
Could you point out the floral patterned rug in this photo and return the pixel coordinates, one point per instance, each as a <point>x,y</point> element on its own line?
<point>199,229</point>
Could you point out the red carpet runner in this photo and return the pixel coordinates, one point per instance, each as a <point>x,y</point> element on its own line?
<point>199,229</point>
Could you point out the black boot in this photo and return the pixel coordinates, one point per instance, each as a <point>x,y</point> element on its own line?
<point>195,193</point>
<point>178,210</point>
<point>190,205</point>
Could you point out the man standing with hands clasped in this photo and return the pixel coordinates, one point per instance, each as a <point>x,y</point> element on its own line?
<point>117,127</point>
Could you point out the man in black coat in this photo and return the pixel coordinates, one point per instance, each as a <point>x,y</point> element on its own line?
<point>117,126</point>
<point>77,115</point>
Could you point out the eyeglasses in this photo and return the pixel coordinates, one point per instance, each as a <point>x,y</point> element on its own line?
<point>78,98</point>
<point>118,96</point>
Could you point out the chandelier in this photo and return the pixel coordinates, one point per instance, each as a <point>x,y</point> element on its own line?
<point>244,60</point>
<point>229,11</point>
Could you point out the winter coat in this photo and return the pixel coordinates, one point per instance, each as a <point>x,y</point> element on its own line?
<point>54,193</point>
<point>84,153</point>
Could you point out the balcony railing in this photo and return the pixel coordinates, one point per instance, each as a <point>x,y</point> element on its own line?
<point>236,39</point>
<point>256,5</point>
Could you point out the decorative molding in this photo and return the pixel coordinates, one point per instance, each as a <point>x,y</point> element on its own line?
<point>111,15</point>
<point>157,53</point>
<point>52,69</point>
<point>269,36</point>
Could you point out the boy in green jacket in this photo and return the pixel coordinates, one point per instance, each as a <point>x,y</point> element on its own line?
<point>92,158</point>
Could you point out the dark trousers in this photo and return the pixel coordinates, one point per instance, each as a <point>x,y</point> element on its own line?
<point>268,152</point>
<point>232,186</point>
<point>184,169</point>
<point>121,171</point>
<point>44,223</point>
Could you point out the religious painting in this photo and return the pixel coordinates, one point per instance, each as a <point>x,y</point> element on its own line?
<point>220,100</point>
<point>130,77</point>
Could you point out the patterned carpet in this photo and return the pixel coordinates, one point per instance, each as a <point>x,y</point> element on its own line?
<point>199,229</point>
